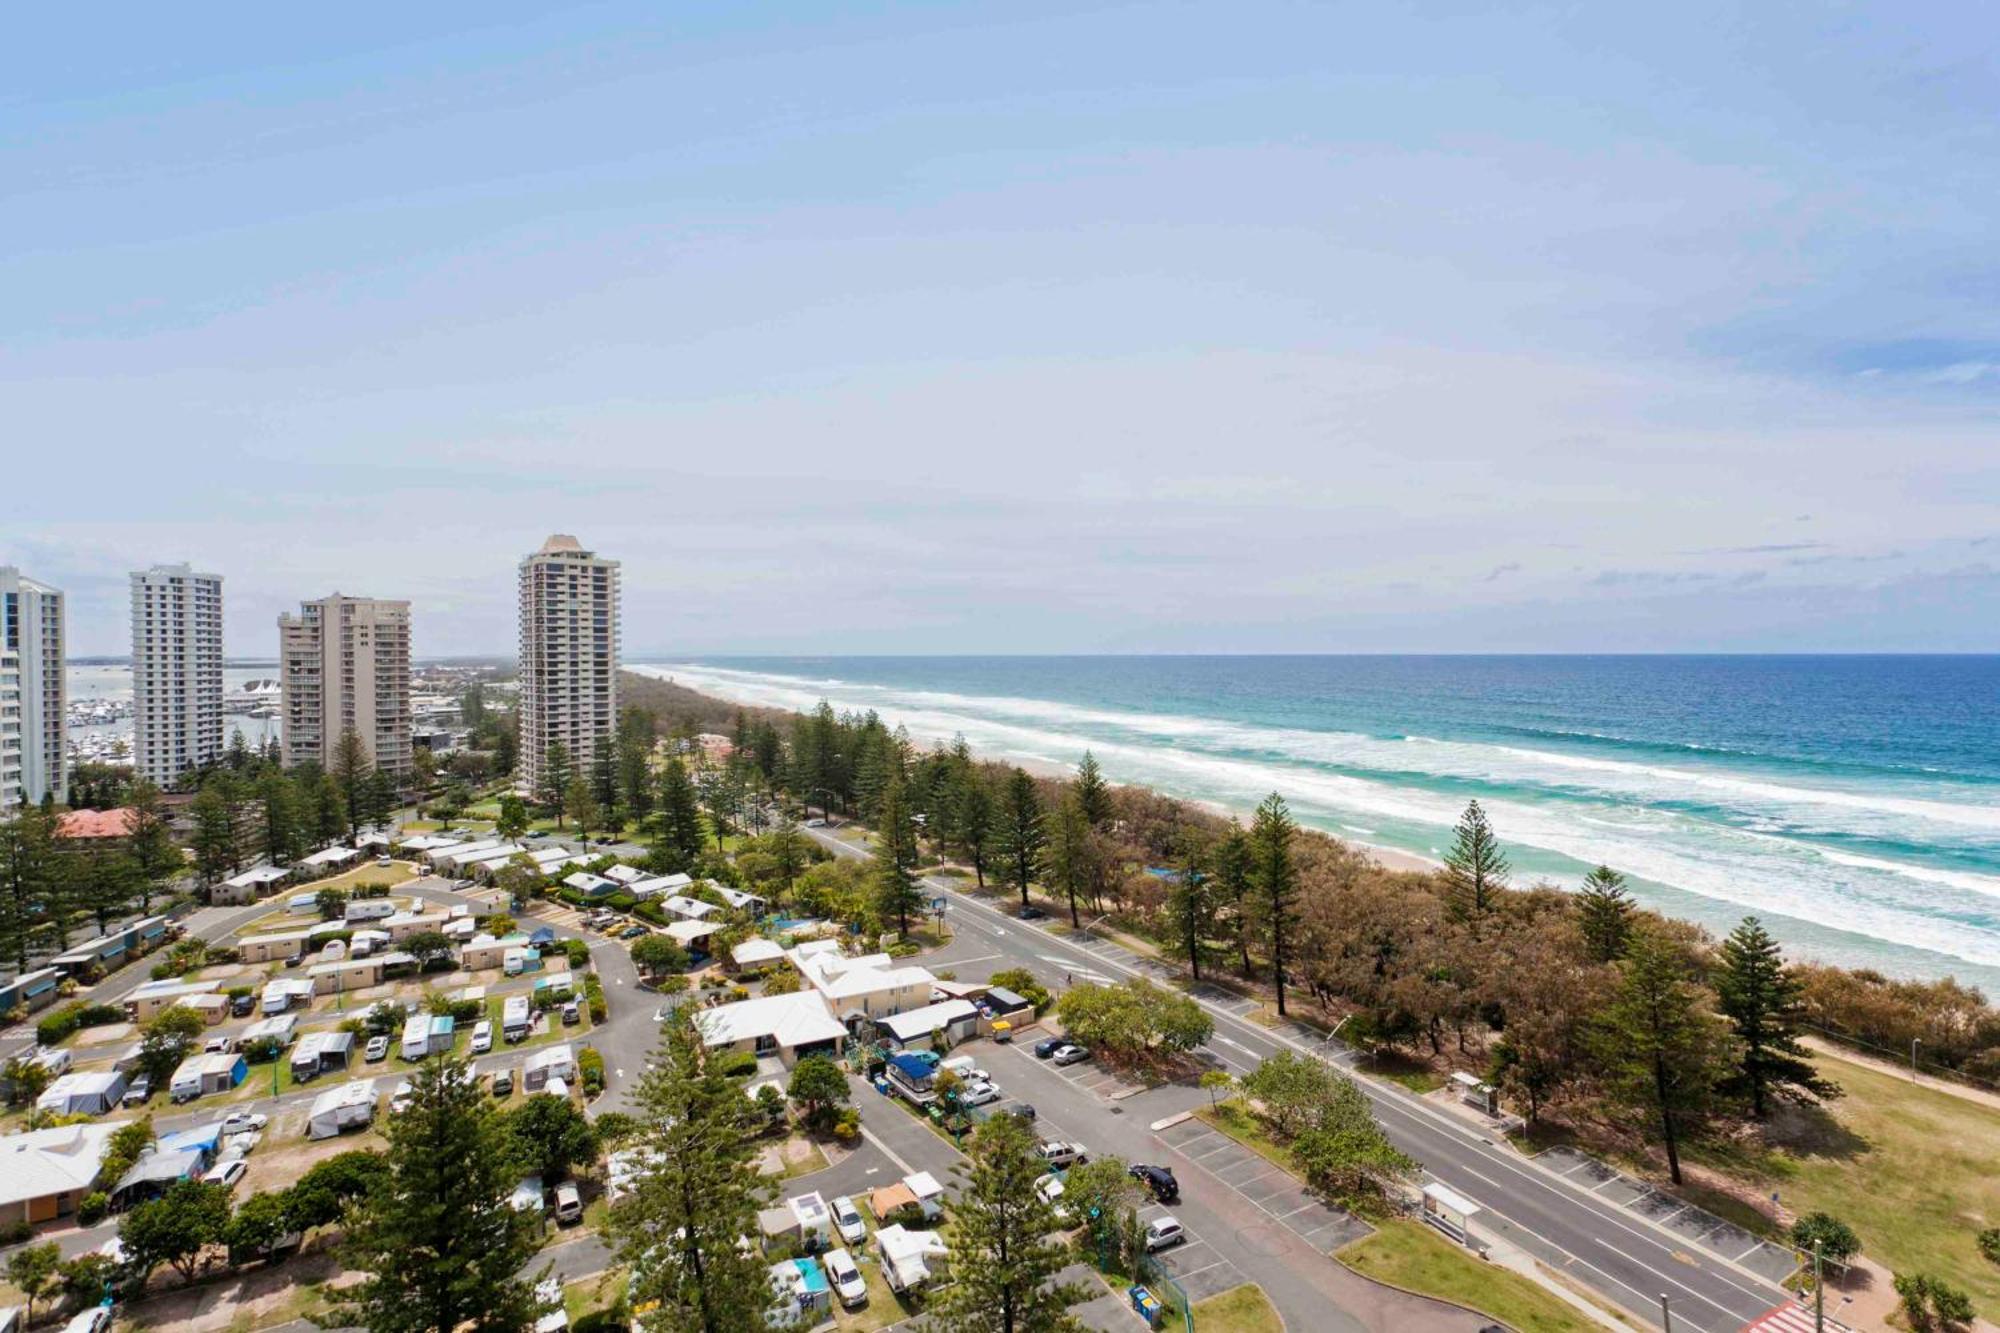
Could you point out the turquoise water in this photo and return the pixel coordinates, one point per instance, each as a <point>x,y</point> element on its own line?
<point>1852,802</point>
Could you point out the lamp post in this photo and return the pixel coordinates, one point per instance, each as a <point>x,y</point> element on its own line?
<point>1666,1315</point>
<point>1819,1291</point>
<point>1914,1043</point>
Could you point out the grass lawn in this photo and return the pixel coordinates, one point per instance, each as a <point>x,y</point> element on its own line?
<point>1914,1171</point>
<point>1244,1309</point>
<point>1418,1078</point>
<point>1412,1256</point>
<point>1234,1119</point>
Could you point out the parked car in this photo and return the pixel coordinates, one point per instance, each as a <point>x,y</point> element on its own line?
<point>423,871</point>
<point>215,1046</point>
<point>138,1090</point>
<point>1048,1046</point>
<point>1070,1055</point>
<point>482,1036</point>
<point>1162,1232</point>
<point>1159,1182</point>
<point>239,1122</point>
<point>847,1218</point>
<point>538,833</point>
<point>633,932</point>
<point>1031,913</point>
<point>978,1094</point>
<point>377,1049</point>
<point>1058,1153</point>
<point>242,1006</point>
<point>503,1083</point>
<point>382,861</point>
<point>400,1099</point>
<point>815,823</point>
<point>227,1174</point>
<point>569,1205</point>
<point>571,1014</point>
<point>97,1319</point>
<point>848,1284</point>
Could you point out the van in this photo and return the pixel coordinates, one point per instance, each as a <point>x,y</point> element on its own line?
<point>482,1036</point>
<point>571,1015</point>
<point>569,1205</point>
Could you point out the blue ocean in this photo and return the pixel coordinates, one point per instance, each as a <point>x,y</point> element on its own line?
<point>1853,803</point>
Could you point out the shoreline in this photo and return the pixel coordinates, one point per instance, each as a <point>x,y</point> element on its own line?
<point>1389,858</point>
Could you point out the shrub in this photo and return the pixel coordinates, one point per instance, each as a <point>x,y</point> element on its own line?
<point>16,1233</point>
<point>593,991</point>
<point>591,1065</point>
<point>1931,1302</point>
<point>651,911</point>
<point>621,901</point>
<point>91,1209</point>
<point>578,951</point>
<point>673,985</point>
<point>1989,1244</point>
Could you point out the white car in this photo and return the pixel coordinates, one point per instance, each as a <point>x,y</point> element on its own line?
<point>97,1319</point>
<point>848,1219</point>
<point>482,1036</point>
<point>1164,1231</point>
<point>226,1174</point>
<point>847,1281</point>
<point>980,1093</point>
<point>241,1122</point>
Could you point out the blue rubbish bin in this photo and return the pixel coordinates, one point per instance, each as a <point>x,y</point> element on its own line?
<point>1146,1305</point>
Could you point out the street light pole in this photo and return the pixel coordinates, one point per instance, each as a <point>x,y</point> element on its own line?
<point>1666,1315</point>
<point>1914,1043</point>
<point>1819,1291</point>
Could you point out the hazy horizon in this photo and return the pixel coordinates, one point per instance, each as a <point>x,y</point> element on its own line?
<point>1039,328</point>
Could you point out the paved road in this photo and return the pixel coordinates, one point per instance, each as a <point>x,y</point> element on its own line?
<point>1624,1257</point>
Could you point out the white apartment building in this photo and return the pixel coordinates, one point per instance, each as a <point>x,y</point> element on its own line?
<point>344,665</point>
<point>34,705</point>
<point>176,672</point>
<point>569,655</point>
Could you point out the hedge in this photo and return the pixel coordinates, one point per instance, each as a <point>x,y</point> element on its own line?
<point>63,1023</point>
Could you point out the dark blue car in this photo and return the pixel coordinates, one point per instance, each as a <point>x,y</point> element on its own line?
<point>1048,1046</point>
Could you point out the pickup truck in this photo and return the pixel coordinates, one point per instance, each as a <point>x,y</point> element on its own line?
<point>1058,1153</point>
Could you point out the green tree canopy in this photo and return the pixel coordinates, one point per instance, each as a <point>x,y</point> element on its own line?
<point>680,1230</point>
<point>175,1228</point>
<point>1004,1261</point>
<point>436,1235</point>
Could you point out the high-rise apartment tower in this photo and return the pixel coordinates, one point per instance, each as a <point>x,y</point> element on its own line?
<point>344,664</point>
<point>176,672</point>
<point>34,730</point>
<point>569,656</point>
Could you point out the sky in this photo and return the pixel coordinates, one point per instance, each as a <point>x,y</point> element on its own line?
<point>879,328</point>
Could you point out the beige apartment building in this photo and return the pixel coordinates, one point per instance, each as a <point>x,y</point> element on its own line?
<point>176,672</point>
<point>569,655</point>
<point>344,665</point>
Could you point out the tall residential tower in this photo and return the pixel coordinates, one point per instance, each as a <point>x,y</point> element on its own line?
<point>345,666</point>
<point>176,672</point>
<point>34,731</point>
<point>569,656</point>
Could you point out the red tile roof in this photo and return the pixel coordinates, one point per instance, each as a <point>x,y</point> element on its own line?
<point>95,823</point>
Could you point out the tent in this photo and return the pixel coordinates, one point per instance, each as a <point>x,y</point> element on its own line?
<point>83,1094</point>
<point>349,1106</point>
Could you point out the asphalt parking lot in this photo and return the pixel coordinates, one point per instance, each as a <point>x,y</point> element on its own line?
<point>1276,1192</point>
